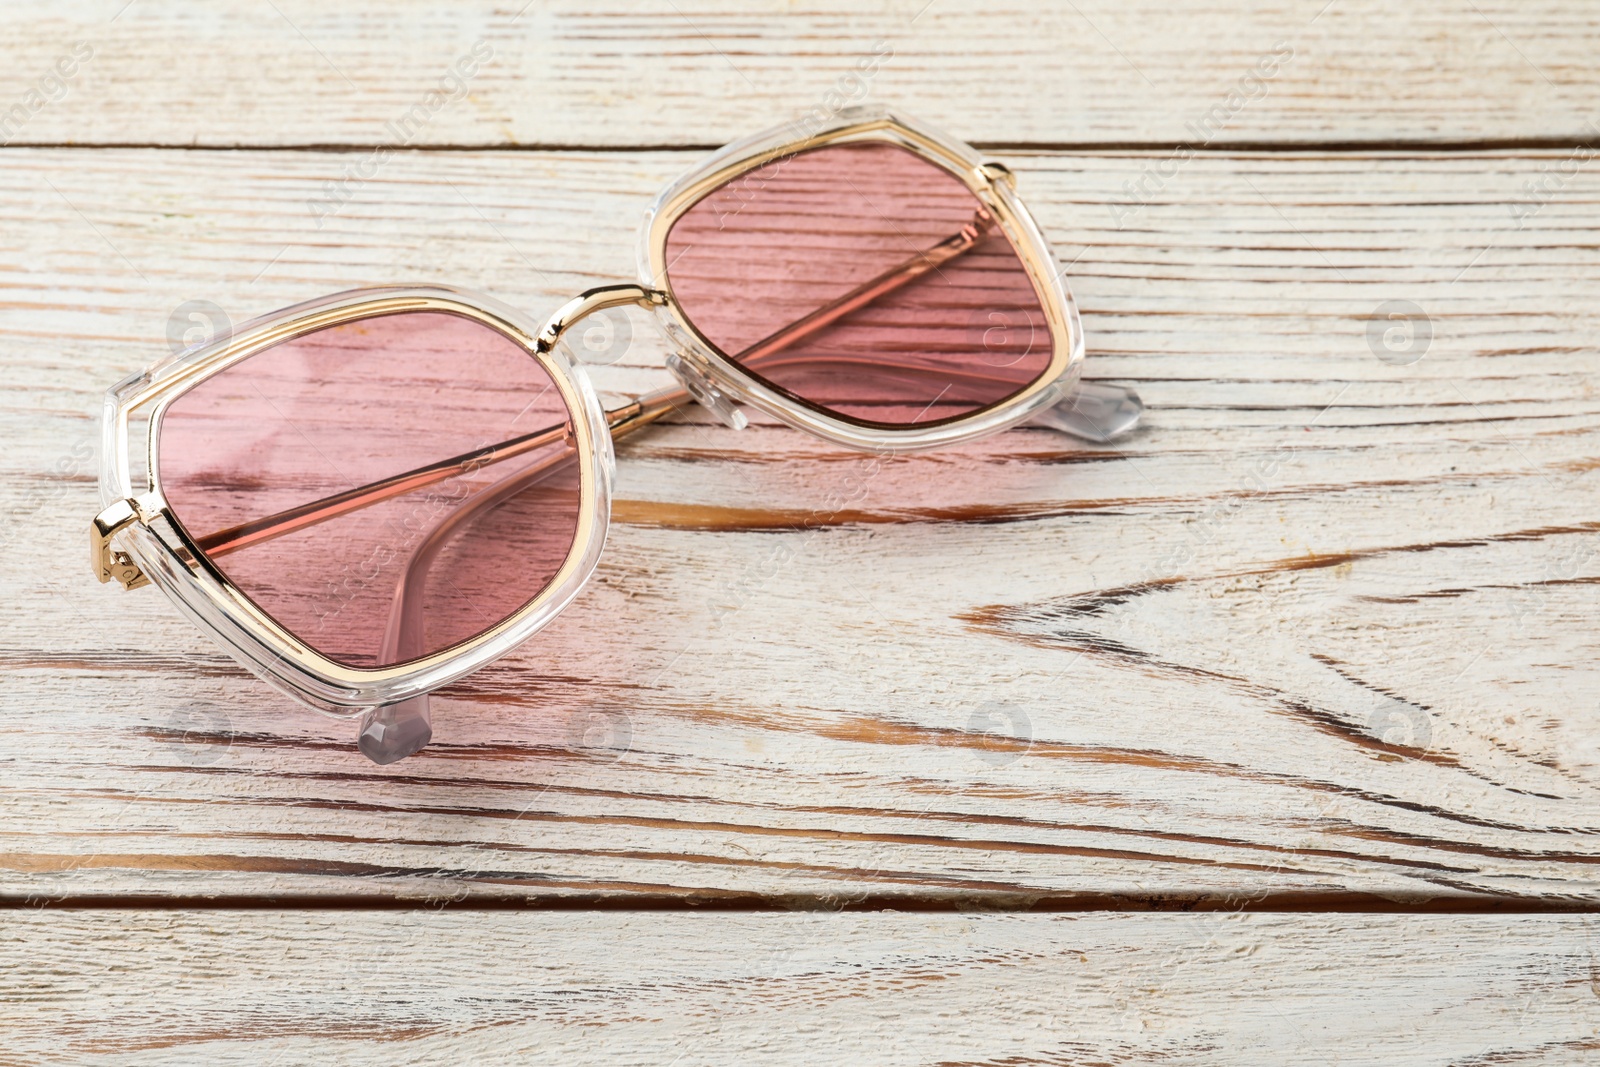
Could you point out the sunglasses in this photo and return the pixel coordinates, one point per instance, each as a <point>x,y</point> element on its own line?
<point>370,495</point>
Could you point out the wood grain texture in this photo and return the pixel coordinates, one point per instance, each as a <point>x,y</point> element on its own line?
<point>1320,633</point>
<point>570,73</point>
<point>1319,636</point>
<point>394,988</point>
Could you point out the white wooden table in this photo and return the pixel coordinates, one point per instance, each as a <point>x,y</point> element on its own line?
<point>1271,735</point>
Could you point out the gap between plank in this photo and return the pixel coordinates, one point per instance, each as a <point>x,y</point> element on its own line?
<point>1216,147</point>
<point>1288,903</point>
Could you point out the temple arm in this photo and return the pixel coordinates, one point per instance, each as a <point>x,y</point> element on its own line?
<point>896,277</point>
<point>1093,412</point>
<point>331,507</point>
<point>392,732</point>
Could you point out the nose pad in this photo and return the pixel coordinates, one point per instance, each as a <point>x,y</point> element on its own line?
<point>706,392</point>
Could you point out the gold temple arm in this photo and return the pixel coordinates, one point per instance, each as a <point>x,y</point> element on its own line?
<point>331,507</point>
<point>896,277</point>
<point>622,421</point>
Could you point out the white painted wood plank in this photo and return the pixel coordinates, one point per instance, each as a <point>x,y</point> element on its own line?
<point>1323,630</point>
<point>129,987</point>
<point>707,71</point>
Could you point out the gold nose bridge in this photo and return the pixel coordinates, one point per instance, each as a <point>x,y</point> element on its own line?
<point>590,301</point>
<point>636,413</point>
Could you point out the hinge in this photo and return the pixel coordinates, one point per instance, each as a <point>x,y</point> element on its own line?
<point>109,563</point>
<point>998,172</point>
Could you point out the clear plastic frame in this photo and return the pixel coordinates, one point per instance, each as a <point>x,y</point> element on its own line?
<point>164,553</point>
<point>989,182</point>
<point>139,538</point>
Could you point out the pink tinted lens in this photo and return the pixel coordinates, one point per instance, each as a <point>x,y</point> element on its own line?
<point>384,488</point>
<point>863,280</point>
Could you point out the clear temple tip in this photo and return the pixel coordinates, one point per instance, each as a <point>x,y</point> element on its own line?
<point>394,731</point>
<point>1094,412</point>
